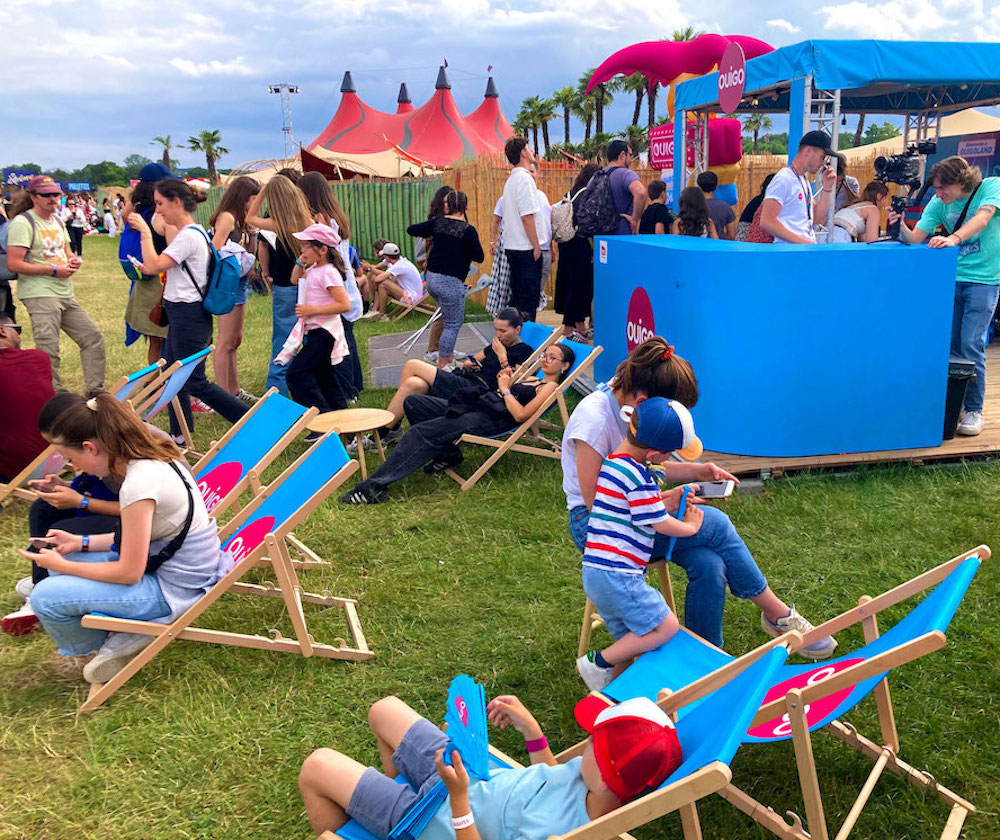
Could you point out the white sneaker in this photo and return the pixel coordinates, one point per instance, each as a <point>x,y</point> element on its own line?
<point>371,313</point>
<point>115,654</point>
<point>823,649</point>
<point>23,588</point>
<point>594,676</point>
<point>972,423</point>
<point>20,622</point>
<point>431,357</point>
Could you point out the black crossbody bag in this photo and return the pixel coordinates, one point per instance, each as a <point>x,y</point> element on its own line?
<point>171,548</point>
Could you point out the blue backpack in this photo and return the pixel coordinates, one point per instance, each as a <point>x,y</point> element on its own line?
<point>223,276</point>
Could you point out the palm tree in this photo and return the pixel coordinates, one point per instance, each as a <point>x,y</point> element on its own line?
<point>602,96</point>
<point>521,124</point>
<point>756,123</point>
<point>859,133</point>
<point>688,33</point>
<point>637,83</point>
<point>566,98</point>
<point>529,110</point>
<point>637,137</point>
<point>208,142</point>
<point>167,145</point>
<point>651,104</point>
<point>584,111</point>
<point>545,111</point>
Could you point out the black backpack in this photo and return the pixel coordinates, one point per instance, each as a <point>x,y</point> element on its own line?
<point>595,210</point>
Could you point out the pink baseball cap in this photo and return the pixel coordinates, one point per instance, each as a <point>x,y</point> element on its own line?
<point>319,233</point>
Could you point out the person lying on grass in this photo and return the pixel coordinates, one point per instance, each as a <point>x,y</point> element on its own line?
<point>436,424</point>
<point>628,513</point>
<point>632,751</point>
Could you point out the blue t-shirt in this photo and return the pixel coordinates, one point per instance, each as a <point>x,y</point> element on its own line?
<point>530,803</point>
<point>621,178</point>
<point>979,256</point>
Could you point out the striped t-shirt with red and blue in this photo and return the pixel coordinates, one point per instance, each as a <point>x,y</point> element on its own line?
<point>626,506</point>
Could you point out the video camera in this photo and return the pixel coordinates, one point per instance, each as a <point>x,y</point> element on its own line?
<point>905,170</point>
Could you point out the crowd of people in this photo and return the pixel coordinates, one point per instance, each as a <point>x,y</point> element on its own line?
<point>129,535</point>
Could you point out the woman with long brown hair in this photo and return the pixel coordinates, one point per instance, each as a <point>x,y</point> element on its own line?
<point>859,220</point>
<point>229,223</point>
<point>164,558</point>
<point>278,249</point>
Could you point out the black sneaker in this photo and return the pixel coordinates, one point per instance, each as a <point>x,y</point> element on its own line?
<point>312,437</point>
<point>362,496</point>
<point>390,437</point>
<point>447,462</point>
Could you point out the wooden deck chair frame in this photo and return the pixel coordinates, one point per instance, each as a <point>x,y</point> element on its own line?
<point>795,705</point>
<point>528,430</point>
<point>138,381</point>
<point>271,553</point>
<point>423,305</point>
<point>145,399</point>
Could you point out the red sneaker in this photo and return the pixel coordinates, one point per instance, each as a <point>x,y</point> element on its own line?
<point>20,622</point>
<point>200,407</point>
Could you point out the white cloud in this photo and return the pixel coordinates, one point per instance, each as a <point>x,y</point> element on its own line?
<point>781,23</point>
<point>119,61</point>
<point>234,67</point>
<point>895,19</point>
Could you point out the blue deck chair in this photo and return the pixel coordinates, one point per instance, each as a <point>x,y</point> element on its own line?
<point>164,389</point>
<point>50,461</point>
<point>804,698</point>
<point>710,735</point>
<point>518,438</point>
<point>256,537</point>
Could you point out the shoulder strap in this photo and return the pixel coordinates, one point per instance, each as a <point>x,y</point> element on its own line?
<point>187,269</point>
<point>172,547</point>
<point>965,210</point>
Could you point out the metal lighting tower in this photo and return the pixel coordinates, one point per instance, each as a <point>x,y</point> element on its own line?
<point>286,90</point>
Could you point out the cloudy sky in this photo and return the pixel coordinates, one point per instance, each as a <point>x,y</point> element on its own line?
<point>96,80</point>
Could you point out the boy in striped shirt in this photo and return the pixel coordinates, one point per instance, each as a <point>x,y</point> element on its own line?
<point>628,510</point>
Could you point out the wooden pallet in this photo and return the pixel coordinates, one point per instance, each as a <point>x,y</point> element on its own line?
<point>985,443</point>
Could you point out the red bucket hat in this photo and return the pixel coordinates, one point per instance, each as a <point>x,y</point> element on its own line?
<point>635,743</point>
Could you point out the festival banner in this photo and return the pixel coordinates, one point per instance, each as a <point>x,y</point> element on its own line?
<point>17,178</point>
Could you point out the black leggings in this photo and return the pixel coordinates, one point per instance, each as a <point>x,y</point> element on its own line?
<point>75,239</point>
<point>313,380</point>
<point>42,516</point>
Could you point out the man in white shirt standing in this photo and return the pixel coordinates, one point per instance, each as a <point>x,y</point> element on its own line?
<point>789,207</point>
<point>521,214</point>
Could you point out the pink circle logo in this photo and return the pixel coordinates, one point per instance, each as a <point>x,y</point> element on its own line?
<point>732,78</point>
<point>639,322</point>
<point>780,727</point>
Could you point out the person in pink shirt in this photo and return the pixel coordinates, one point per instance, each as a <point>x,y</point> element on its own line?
<point>319,274</point>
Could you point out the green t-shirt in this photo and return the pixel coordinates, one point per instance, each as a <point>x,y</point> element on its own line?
<point>48,248</point>
<point>979,256</point>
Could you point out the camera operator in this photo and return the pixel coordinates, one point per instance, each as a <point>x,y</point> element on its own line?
<point>965,206</point>
<point>789,208</point>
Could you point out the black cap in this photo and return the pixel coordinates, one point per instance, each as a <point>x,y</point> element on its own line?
<point>818,140</point>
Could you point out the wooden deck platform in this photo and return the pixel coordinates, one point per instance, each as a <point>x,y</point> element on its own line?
<point>985,443</point>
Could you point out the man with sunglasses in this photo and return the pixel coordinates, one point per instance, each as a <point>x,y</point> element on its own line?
<point>38,251</point>
<point>25,386</point>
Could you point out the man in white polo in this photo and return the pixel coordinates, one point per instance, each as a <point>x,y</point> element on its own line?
<point>790,208</point>
<point>38,251</point>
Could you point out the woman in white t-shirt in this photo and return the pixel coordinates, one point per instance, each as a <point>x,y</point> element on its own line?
<point>163,560</point>
<point>185,261</point>
<point>715,557</point>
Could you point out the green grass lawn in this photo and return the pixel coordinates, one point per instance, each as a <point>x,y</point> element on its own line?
<point>206,742</point>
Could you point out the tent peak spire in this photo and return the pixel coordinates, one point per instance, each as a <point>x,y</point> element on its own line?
<point>491,90</point>
<point>347,85</point>
<point>404,94</point>
<point>442,82</point>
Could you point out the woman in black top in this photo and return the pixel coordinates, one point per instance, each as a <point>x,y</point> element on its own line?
<point>456,245</point>
<point>575,271</point>
<point>746,217</point>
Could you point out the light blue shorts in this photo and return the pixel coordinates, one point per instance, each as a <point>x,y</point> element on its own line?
<point>241,293</point>
<point>626,602</point>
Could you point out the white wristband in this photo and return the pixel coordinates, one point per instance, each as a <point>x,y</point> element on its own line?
<point>463,822</point>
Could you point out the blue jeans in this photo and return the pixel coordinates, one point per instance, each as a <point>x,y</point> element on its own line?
<point>974,306</point>
<point>713,558</point>
<point>282,320</point>
<point>60,601</point>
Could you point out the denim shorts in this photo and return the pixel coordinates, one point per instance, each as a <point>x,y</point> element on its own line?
<point>241,293</point>
<point>625,601</point>
<point>378,802</point>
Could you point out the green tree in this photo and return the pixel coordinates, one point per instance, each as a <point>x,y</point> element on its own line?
<point>167,146</point>
<point>755,124</point>
<point>878,133</point>
<point>602,95</point>
<point>133,163</point>
<point>637,84</point>
<point>584,111</point>
<point>858,132</point>
<point>529,110</point>
<point>638,137</point>
<point>545,112</point>
<point>521,124</point>
<point>209,142</point>
<point>566,98</point>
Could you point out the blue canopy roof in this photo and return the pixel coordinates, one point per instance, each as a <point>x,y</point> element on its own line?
<point>881,77</point>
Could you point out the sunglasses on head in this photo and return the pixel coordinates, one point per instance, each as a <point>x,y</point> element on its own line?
<point>15,327</point>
